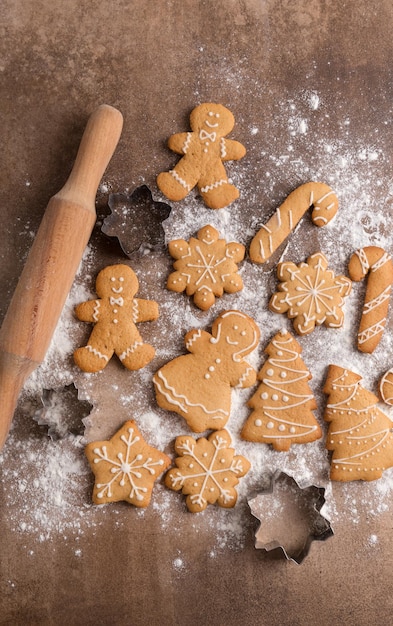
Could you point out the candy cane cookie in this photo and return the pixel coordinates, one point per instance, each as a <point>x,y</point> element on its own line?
<point>272,234</point>
<point>378,264</point>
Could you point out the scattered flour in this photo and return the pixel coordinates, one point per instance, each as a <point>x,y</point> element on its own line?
<point>49,493</point>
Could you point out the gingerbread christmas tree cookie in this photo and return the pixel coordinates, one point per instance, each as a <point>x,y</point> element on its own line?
<point>360,434</point>
<point>310,294</point>
<point>125,467</point>
<point>205,267</point>
<point>198,385</point>
<point>207,471</point>
<point>283,402</point>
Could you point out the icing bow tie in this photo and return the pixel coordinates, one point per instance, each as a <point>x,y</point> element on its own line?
<point>203,135</point>
<point>118,301</point>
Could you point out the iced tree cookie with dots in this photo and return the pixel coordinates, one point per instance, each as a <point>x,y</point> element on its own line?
<point>310,294</point>
<point>378,265</point>
<point>271,235</point>
<point>115,314</point>
<point>198,385</point>
<point>283,403</point>
<point>205,267</point>
<point>204,149</point>
<point>359,433</point>
<point>207,471</point>
<point>125,467</point>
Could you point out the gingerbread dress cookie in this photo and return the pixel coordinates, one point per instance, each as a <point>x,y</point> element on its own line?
<point>115,314</point>
<point>204,150</point>
<point>197,386</point>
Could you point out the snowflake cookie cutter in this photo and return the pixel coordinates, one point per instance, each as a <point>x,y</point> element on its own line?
<point>136,221</point>
<point>290,517</point>
<point>63,412</point>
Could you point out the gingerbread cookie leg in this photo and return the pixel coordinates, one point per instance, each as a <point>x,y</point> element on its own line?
<point>136,355</point>
<point>378,264</point>
<point>178,182</point>
<point>95,355</point>
<point>217,192</point>
<point>272,234</point>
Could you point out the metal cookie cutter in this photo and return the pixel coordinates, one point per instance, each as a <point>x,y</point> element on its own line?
<point>290,517</point>
<point>136,221</point>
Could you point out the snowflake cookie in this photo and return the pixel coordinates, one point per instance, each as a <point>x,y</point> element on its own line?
<point>205,267</point>
<point>310,294</point>
<point>125,467</point>
<point>207,471</point>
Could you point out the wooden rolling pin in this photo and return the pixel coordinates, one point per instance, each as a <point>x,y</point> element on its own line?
<point>52,262</point>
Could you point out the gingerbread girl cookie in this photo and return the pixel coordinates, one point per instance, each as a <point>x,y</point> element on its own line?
<point>115,314</point>
<point>204,149</point>
<point>197,386</point>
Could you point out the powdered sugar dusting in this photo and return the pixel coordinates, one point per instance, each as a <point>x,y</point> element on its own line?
<point>49,494</point>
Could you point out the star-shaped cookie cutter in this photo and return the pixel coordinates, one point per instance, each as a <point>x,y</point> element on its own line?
<point>290,517</point>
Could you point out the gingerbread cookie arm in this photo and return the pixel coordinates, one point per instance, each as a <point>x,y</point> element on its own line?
<point>145,310</point>
<point>179,142</point>
<point>197,340</point>
<point>243,376</point>
<point>378,265</point>
<point>88,311</point>
<point>231,150</point>
<point>272,234</point>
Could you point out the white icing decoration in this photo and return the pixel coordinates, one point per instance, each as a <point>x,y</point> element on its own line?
<point>182,401</point>
<point>125,469</point>
<point>96,352</point>
<point>207,473</point>
<point>130,350</point>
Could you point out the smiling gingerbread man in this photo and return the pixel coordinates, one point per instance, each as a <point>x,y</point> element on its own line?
<point>204,150</point>
<point>115,314</point>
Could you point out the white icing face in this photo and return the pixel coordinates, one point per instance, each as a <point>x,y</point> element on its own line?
<point>116,279</point>
<point>210,123</point>
<point>118,287</point>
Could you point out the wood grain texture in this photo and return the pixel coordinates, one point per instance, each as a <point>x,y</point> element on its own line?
<point>53,261</point>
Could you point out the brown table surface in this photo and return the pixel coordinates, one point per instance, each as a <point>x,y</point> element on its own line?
<point>310,85</point>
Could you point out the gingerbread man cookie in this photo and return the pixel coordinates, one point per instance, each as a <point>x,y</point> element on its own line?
<point>204,149</point>
<point>115,313</point>
<point>197,386</point>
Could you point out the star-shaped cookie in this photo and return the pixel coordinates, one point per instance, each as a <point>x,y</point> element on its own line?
<point>125,467</point>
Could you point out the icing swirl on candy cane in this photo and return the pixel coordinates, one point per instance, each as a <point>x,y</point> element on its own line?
<point>378,264</point>
<point>272,234</point>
